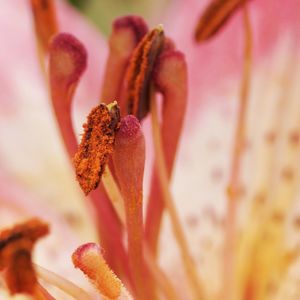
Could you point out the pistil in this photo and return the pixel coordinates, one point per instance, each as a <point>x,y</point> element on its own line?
<point>68,60</point>
<point>89,260</point>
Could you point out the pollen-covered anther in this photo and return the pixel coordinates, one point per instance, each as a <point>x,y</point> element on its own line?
<point>16,245</point>
<point>44,20</point>
<point>139,72</point>
<point>88,258</point>
<point>96,145</point>
<point>214,17</point>
<point>127,32</point>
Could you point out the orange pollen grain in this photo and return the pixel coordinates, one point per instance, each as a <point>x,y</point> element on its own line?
<point>140,70</point>
<point>96,146</point>
<point>216,14</point>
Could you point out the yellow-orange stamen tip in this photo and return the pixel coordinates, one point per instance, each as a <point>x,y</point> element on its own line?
<point>89,260</point>
<point>214,17</point>
<point>96,145</point>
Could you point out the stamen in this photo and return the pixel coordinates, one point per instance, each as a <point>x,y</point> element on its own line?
<point>16,245</point>
<point>129,160</point>
<point>89,260</point>
<point>96,145</point>
<point>44,21</point>
<point>68,60</point>
<point>139,73</point>
<point>233,186</point>
<point>217,13</point>
<point>127,32</point>
<point>189,265</point>
<point>170,77</point>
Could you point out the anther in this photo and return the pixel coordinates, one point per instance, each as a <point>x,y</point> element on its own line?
<point>96,145</point>
<point>139,72</point>
<point>216,14</point>
<point>127,32</point>
<point>16,245</point>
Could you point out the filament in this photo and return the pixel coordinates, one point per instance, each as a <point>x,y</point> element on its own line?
<point>63,284</point>
<point>177,229</point>
<point>239,140</point>
<point>117,201</point>
<point>114,195</point>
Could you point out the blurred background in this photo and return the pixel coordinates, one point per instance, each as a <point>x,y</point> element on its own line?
<point>101,12</point>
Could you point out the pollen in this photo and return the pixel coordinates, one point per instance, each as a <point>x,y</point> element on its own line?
<point>139,72</point>
<point>16,245</point>
<point>96,146</point>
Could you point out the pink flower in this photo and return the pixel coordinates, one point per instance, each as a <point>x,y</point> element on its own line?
<point>241,135</point>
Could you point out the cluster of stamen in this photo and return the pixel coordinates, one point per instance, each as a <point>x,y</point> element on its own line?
<point>112,149</point>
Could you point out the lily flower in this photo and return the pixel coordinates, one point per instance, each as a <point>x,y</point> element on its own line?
<point>187,160</point>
